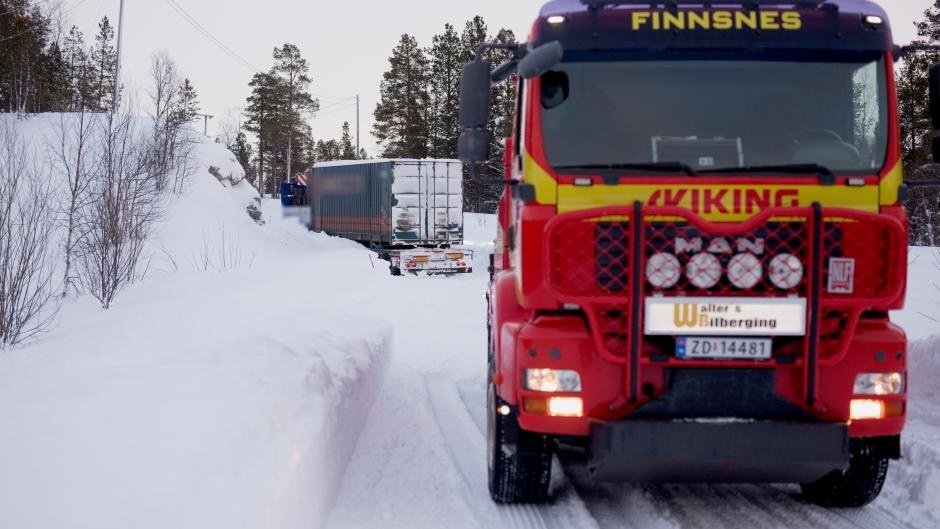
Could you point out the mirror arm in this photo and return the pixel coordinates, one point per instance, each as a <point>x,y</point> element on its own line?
<point>518,50</point>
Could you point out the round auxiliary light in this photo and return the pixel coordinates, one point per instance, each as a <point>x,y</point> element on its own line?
<point>745,271</point>
<point>663,270</point>
<point>786,271</point>
<point>704,270</point>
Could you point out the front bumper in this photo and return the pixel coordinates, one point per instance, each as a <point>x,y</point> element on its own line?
<point>716,451</point>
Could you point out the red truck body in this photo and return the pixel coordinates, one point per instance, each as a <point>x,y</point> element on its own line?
<point>716,309</point>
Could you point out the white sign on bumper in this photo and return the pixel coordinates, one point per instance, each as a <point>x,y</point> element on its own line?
<point>725,317</point>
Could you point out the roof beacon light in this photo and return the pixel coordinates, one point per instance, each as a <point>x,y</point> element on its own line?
<point>874,20</point>
<point>557,20</point>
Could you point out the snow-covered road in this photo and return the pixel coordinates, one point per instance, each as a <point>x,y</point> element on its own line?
<point>420,462</point>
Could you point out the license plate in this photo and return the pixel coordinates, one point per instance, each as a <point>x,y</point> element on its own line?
<point>724,348</point>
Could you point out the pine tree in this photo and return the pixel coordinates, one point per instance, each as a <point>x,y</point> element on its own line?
<point>294,71</point>
<point>328,151</point>
<point>446,58</point>
<point>401,116</point>
<point>103,67</point>
<point>473,36</point>
<point>347,149</point>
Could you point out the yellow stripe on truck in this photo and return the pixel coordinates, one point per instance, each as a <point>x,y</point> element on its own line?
<point>722,203</point>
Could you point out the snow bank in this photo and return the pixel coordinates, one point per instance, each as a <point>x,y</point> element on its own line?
<point>914,482</point>
<point>228,389</point>
<point>921,317</point>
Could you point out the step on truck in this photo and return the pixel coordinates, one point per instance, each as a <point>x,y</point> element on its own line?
<point>409,211</point>
<point>700,240</point>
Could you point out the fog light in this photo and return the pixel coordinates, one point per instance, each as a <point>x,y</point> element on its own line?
<point>552,380</point>
<point>704,270</point>
<point>663,270</point>
<point>879,384</point>
<point>861,409</point>
<point>745,271</point>
<point>786,271</point>
<point>565,407</point>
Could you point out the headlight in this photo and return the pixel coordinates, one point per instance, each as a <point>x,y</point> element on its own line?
<point>786,271</point>
<point>552,380</point>
<point>879,384</point>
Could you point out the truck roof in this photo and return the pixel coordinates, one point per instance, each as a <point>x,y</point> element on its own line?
<point>857,7</point>
<point>834,25</point>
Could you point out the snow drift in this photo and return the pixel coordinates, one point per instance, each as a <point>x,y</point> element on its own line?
<point>227,389</point>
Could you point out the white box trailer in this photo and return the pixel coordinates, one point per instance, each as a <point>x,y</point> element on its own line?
<point>403,208</point>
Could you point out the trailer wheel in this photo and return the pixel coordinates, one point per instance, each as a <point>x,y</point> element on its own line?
<point>855,487</point>
<point>519,471</point>
<point>396,271</point>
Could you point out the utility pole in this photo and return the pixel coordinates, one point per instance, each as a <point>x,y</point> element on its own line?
<point>357,125</point>
<point>205,127</point>
<point>118,88</point>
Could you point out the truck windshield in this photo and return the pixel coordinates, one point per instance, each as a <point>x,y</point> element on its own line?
<point>712,115</point>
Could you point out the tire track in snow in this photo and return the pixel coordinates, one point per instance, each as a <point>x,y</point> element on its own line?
<point>467,447</point>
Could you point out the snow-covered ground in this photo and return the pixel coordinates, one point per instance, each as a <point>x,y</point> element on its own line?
<point>230,388</point>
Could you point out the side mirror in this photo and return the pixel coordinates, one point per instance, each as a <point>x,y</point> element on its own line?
<point>541,59</point>
<point>475,94</point>
<point>475,82</point>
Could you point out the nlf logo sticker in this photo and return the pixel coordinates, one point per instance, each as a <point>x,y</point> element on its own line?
<point>841,275</point>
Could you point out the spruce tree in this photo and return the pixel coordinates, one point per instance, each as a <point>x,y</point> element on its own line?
<point>446,56</point>
<point>103,67</point>
<point>187,104</point>
<point>347,149</point>
<point>264,119</point>
<point>401,116</point>
<point>76,60</point>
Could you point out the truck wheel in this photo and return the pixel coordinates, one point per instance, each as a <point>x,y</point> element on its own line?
<point>522,474</point>
<point>855,487</point>
<point>396,271</point>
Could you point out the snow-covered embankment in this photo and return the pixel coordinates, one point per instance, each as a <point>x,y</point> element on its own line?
<point>226,390</point>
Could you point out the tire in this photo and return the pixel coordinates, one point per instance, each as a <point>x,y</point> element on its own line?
<point>856,487</point>
<point>524,475</point>
<point>396,271</point>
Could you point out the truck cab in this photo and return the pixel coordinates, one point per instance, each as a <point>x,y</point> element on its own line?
<point>701,238</point>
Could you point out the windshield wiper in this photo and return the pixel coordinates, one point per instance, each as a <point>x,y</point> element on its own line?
<point>654,167</point>
<point>826,176</point>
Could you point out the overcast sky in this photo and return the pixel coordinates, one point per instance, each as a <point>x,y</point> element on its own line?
<point>347,43</point>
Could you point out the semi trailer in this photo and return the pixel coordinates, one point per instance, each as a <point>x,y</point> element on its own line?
<point>409,211</point>
<point>701,237</point>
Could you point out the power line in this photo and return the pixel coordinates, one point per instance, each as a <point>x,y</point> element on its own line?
<point>206,33</point>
